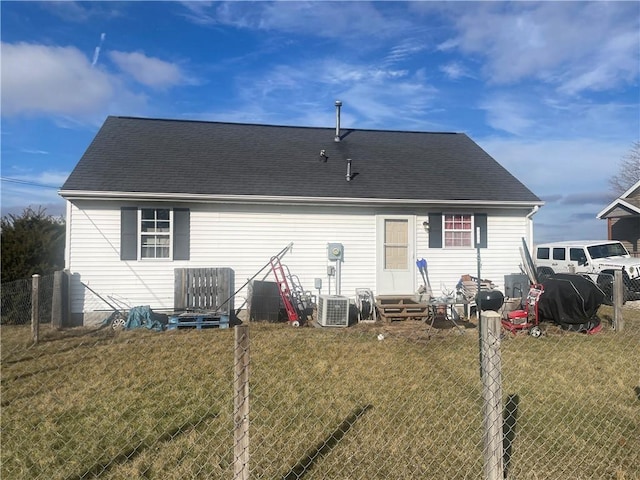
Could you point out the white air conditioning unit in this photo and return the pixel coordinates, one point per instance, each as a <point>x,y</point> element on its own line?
<point>333,311</point>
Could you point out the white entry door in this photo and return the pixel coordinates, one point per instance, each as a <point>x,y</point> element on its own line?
<point>395,255</point>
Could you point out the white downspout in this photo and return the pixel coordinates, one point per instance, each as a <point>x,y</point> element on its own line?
<point>67,240</point>
<point>533,211</point>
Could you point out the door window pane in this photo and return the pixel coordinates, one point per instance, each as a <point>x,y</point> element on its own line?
<point>396,244</point>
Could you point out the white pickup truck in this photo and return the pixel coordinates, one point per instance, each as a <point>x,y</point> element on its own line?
<point>597,258</point>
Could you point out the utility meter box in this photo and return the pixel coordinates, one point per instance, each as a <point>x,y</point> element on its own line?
<point>335,252</point>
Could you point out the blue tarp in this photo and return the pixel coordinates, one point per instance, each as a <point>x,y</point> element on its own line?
<point>143,317</point>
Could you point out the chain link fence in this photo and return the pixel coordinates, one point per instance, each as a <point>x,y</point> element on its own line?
<point>630,287</point>
<point>16,301</point>
<point>374,400</point>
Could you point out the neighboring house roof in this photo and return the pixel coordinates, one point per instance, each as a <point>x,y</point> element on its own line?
<point>155,158</point>
<point>627,204</point>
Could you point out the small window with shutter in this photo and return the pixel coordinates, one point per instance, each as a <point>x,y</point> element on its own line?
<point>457,230</point>
<point>154,233</point>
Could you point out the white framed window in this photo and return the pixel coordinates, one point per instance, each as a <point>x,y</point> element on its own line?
<point>458,230</point>
<point>155,233</point>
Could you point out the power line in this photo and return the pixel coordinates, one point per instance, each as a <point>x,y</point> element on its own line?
<point>26,182</point>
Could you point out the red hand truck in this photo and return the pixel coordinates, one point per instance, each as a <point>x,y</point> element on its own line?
<point>285,292</point>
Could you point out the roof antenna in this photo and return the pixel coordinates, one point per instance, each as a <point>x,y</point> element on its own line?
<point>338,105</point>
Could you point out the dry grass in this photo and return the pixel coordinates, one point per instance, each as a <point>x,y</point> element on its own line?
<point>325,403</point>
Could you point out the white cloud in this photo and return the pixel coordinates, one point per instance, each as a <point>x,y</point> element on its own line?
<point>508,113</point>
<point>406,49</point>
<point>62,82</point>
<point>83,12</point>
<point>341,73</point>
<point>454,70</point>
<point>449,44</point>
<point>343,20</point>
<point>575,46</point>
<point>149,71</point>
<point>51,80</point>
<point>374,96</point>
<point>540,114</point>
<point>570,175</point>
<point>567,166</point>
<point>34,152</point>
<point>617,61</point>
<point>401,105</point>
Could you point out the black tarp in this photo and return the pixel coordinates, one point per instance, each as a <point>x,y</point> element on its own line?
<point>571,301</point>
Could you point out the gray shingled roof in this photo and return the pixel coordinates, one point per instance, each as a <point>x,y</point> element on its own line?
<point>190,157</point>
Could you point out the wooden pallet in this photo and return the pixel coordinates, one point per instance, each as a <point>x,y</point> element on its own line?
<point>204,290</point>
<point>198,320</point>
<point>393,307</point>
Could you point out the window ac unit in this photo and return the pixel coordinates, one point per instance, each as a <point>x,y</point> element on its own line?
<point>333,311</point>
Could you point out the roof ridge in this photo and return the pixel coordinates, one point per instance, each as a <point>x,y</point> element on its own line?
<point>243,124</point>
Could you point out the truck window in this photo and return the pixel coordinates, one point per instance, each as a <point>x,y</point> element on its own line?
<point>577,255</point>
<point>559,254</point>
<point>607,250</point>
<point>543,253</point>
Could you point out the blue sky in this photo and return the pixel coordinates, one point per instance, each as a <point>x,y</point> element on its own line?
<point>549,89</point>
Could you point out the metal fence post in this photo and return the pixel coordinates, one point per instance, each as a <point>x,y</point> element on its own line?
<point>241,404</point>
<point>618,300</point>
<point>35,307</point>
<point>492,395</point>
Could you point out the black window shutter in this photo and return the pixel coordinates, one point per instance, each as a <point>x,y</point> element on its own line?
<point>128,233</point>
<point>181,233</point>
<point>480,221</point>
<point>435,230</point>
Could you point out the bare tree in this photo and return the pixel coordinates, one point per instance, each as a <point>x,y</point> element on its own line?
<point>629,172</point>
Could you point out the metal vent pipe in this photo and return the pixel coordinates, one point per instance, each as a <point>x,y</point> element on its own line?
<point>338,105</point>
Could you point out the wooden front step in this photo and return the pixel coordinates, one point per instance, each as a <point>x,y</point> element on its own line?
<point>399,307</point>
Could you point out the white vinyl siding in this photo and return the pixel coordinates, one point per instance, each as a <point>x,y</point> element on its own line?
<point>505,228</point>
<point>221,236</point>
<point>244,238</point>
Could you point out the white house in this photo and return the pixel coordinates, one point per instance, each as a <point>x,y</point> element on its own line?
<point>152,195</point>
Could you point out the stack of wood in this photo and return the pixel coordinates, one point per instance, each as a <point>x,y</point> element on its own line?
<point>468,286</point>
<point>394,307</point>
